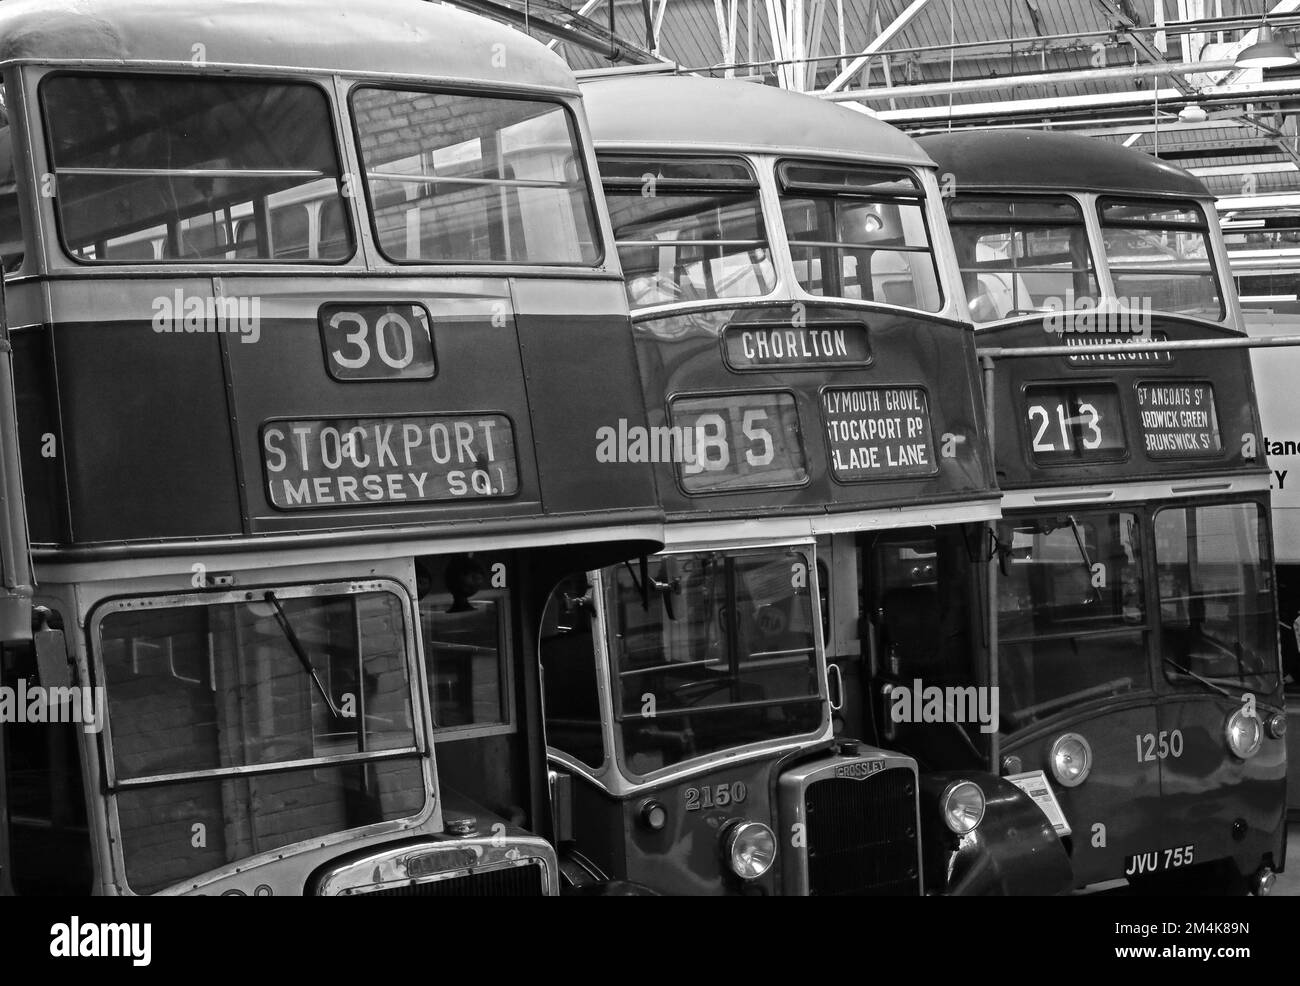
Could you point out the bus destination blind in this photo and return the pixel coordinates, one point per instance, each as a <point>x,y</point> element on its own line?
<point>736,441</point>
<point>878,433</point>
<point>342,462</point>
<point>1074,422</point>
<point>1178,419</point>
<point>765,347</point>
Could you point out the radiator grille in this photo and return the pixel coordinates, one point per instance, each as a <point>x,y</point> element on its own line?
<point>862,835</point>
<point>508,881</point>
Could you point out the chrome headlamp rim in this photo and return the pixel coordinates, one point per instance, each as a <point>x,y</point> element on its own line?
<point>731,835</point>
<point>1237,717</point>
<point>949,792</point>
<point>1082,776</point>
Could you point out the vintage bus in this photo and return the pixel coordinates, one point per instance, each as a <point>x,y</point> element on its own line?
<point>314,310</point>
<point>1137,653</point>
<point>812,392</point>
<point>1264,250</point>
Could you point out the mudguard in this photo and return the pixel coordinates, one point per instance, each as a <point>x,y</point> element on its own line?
<point>580,877</point>
<point>1014,851</point>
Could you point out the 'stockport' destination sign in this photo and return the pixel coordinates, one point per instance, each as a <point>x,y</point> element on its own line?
<point>341,462</point>
<point>878,432</point>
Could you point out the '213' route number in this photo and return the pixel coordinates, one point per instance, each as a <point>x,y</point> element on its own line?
<point>1159,746</point>
<point>1089,417</point>
<point>718,796</point>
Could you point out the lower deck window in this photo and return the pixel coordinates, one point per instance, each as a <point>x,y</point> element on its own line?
<point>250,722</point>
<point>718,651</point>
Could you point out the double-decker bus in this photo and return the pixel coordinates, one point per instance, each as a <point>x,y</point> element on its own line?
<point>1264,249</point>
<point>1137,655</point>
<point>313,308</point>
<point>812,392</point>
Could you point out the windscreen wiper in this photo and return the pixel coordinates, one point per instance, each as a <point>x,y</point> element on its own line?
<point>1203,680</point>
<point>1083,553</point>
<point>299,651</point>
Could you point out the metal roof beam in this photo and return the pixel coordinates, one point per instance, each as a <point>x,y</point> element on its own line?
<point>1052,107</point>
<point>876,43</point>
<point>1127,25</point>
<point>933,89</point>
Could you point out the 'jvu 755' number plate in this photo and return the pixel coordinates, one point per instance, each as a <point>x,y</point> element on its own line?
<point>1158,861</point>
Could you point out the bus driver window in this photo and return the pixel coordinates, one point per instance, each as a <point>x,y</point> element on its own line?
<point>463,623</point>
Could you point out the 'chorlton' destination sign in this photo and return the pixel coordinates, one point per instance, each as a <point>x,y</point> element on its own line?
<point>878,432</point>
<point>343,462</point>
<point>755,345</point>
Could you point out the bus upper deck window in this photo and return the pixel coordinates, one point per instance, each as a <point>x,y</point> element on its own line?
<point>11,230</point>
<point>474,179</point>
<point>158,168</point>
<point>1160,257</point>
<point>859,233</point>
<point>1021,254</point>
<point>687,229</point>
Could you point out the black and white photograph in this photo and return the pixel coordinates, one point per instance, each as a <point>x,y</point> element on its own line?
<point>607,448</point>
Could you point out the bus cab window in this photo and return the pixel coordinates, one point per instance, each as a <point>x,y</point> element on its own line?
<point>49,841</point>
<point>1215,595</point>
<point>465,628</point>
<point>1071,612</point>
<point>718,652</point>
<point>212,698</point>
<point>570,691</point>
<point>922,600</point>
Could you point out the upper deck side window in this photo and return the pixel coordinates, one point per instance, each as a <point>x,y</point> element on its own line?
<point>1020,255</point>
<point>859,232</point>
<point>158,169</point>
<point>1160,255</point>
<point>687,229</point>
<point>11,229</point>
<point>475,179</point>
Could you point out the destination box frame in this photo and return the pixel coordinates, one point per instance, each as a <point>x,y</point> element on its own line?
<point>1057,385</point>
<point>733,329</point>
<point>745,490</point>
<point>1208,455</point>
<point>389,504</point>
<point>884,477</point>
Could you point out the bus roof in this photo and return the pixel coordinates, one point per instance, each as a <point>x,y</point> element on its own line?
<point>690,113</point>
<point>1044,161</point>
<point>401,37</point>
